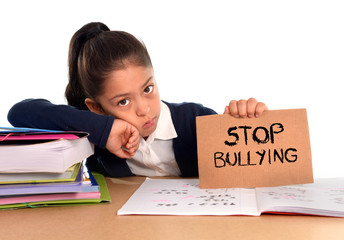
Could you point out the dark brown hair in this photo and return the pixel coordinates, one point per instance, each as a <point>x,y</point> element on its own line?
<point>94,52</point>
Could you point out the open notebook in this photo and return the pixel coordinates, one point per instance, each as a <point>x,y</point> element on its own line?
<point>325,197</point>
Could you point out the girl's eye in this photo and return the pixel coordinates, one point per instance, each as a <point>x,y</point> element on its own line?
<point>148,89</point>
<point>123,102</point>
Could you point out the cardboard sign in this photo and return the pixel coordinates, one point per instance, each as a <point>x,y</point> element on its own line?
<point>271,150</point>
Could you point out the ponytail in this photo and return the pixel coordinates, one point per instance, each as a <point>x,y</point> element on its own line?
<point>94,52</point>
<point>75,92</point>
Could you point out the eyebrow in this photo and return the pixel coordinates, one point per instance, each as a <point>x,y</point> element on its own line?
<point>148,80</point>
<point>126,94</point>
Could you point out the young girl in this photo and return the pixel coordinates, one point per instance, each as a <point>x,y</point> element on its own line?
<point>113,95</point>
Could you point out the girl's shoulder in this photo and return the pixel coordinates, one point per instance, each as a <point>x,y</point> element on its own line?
<point>189,109</point>
<point>184,120</point>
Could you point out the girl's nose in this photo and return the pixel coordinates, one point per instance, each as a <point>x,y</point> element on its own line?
<point>142,108</point>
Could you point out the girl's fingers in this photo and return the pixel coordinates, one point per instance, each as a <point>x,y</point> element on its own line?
<point>242,108</point>
<point>134,146</point>
<point>245,108</point>
<point>226,110</point>
<point>122,153</point>
<point>124,139</point>
<point>261,107</point>
<point>233,108</point>
<point>134,141</point>
<point>251,107</point>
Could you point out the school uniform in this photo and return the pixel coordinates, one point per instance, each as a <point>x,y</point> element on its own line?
<point>175,136</point>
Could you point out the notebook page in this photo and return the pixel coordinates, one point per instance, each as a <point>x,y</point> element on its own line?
<point>324,197</point>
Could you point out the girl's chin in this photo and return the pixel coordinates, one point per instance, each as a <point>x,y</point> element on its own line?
<point>146,134</point>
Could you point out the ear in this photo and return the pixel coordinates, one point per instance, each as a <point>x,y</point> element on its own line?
<point>94,106</point>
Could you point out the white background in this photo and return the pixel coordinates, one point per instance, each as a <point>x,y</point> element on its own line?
<point>288,54</point>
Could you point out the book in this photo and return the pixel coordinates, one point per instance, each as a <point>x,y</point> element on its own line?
<point>22,150</point>
<point>22,129</point>
<point>41,177</point>
<point>43,188</point>
<point>324,197</point>
<point>89,183</point>
<point>71,200</point>
<point>49,197</point>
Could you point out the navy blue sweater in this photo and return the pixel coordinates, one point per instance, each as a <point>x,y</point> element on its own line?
<point>40,113</point>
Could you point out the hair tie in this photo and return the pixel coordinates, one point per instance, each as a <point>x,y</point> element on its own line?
<point>94,32</point>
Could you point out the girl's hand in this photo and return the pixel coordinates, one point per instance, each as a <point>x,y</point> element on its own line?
<point>124,139</point>
<point>245,108</point>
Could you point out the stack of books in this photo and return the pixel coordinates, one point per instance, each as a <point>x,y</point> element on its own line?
<point>45,168</point>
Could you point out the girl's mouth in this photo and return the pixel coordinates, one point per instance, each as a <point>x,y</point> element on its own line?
<point>149,123</point>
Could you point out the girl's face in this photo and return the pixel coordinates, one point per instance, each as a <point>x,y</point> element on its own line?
<point>132,95</point>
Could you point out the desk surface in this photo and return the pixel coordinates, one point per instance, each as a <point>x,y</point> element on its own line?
<point>101,222</point>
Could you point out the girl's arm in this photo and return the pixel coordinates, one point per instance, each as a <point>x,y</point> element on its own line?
<point>40,113</point>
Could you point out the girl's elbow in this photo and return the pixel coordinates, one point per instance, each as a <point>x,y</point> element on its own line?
<point>18,112</point>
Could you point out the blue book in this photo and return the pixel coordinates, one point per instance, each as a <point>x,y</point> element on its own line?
<point>89,183</point>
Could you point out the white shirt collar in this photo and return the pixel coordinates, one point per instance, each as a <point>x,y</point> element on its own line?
<point>165,129</point>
